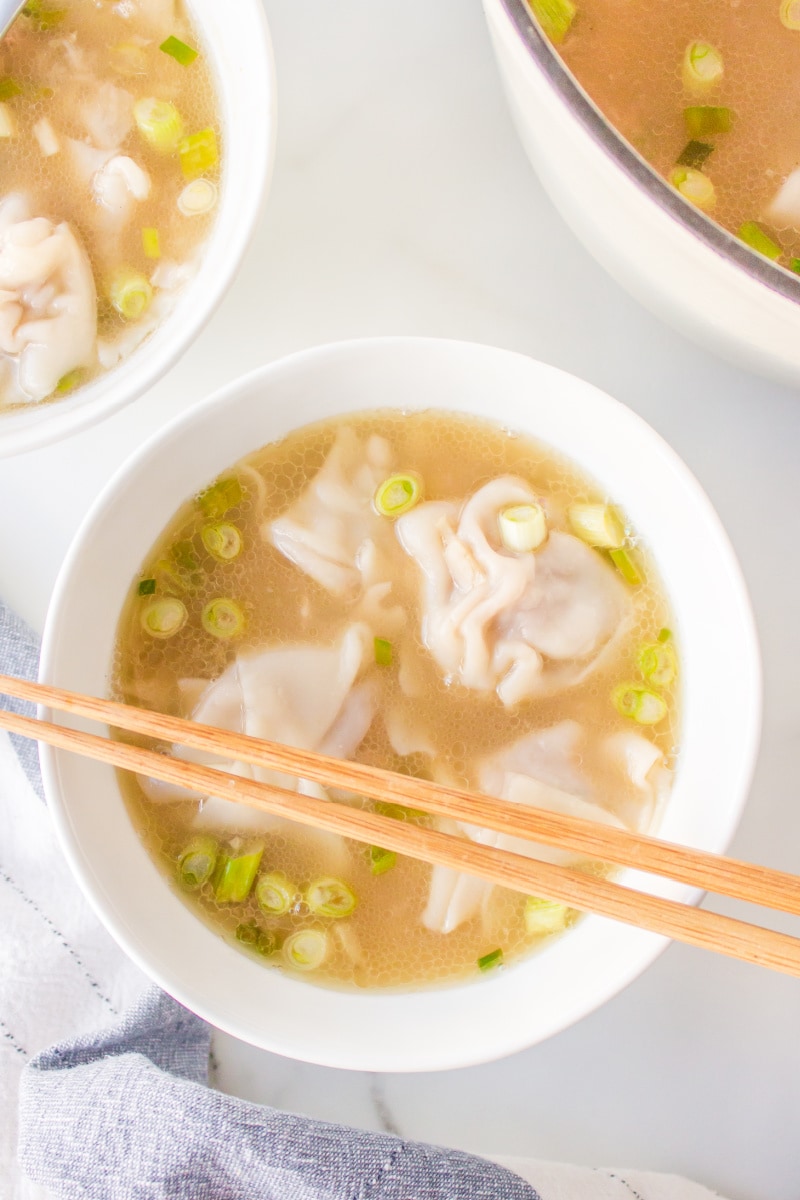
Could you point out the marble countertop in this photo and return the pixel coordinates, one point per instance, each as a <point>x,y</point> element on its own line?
<point>402,203</point>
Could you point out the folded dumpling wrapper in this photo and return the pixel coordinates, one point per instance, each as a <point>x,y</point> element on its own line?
<point>520,624</point>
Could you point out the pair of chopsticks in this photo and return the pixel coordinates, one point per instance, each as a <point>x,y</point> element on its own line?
<point>697,868</point>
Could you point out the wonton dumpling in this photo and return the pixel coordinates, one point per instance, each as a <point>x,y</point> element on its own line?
<point>542,770</point>
<point>492,617</point>
<point>333,533</point>
<point>48,307</point>
<point>303,696</point>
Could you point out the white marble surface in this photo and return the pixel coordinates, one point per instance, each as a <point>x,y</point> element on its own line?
<point>402,203</point>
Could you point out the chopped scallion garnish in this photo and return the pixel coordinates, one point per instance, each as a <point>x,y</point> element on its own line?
<point>159,123</point>
<point>163,617</point>
<point>664,635</point>
<point>196,863</point>
<point>597,525</point>
<point>702,67</point>
<point>67,383</point>
<point>43,18</point>
<point>197,197</point>
<point>383,652</point>
<point>198,153</point>
<point>146,587</point>
<point>658,663</point>
<point>694,154</point>
<point>235,875</point>
<point>329,897</point>
<point>790,13</point>
<point>223,495</point>
<point>175,48</point>
<point>693,186</point>
<point>130,293</point>
<point>127,58</point>
<point>554,16</point>
<point>545,916</point>
<point>151,243</point>
<point>275,894</point>
<point>794,265</point>
<point>702,119</point>
<point>639,704</point>
<point>305,950</point>
<point>222,541</point>
<point>397,494</point>
<point>222,618</point>
<point>9,88</point>
<point>523,527</point>
<point>626,566</point>
<point>381,861</point>
<point>493,959</point>
<point>249,933</point>
<point>754,236</point>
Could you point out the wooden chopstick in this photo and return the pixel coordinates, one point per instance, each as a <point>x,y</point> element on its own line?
<point>698,927</point>
<point>697,868</point>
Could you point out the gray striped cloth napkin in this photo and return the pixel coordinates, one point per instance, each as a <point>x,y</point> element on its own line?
<point>120,1107</point>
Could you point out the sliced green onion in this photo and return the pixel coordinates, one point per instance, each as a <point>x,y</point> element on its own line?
<point>146,587</point>
<point>197,197</point>
<point>702,119</point>
<point>626,566</point>
<point>235,875</point>
<point>397,494</point>
<point>596,524</point>
<point>275,894</point>
<point>183,554</point>
<point>694,186</point>
<point>794,265</point>
<point>754,236</point>
<point>545,916</point>
<point>250,934</point>
<point>493,959</point>
<point>151,243</point>
<point>9,88</point>
<point>523,527</point>
<point>383,652</point>
<point>658,663</point>
<point>223,495</point>
<point>198,153</point>
<point>163,617</point>
<point>702,67</point>
<point>305,950</point>
<point>329,897</point>
<point>130,293</point>
<point>43,18</point>
<point>399,812</point>
<point>67,383</point>
<point>128,59</point>
<point>196,863</point>
<point>381,861</point>
<point>639,704</point>
<point>222,618</point>
<point>694,154</point>
<point>159,123</point>
<point>554,16</point>
<point>664,635</point>
<point>222,541</point>
<point>175,48</point>
<point>790,14</point>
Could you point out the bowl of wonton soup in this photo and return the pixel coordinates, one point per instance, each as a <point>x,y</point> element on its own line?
<point>166,151</point>
<point>484,1016</point>
<point>721,270</point>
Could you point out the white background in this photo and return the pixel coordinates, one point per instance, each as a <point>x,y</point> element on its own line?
<point>402,203</point>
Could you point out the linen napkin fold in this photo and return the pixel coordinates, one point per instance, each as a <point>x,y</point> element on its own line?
<point>120,1107</point>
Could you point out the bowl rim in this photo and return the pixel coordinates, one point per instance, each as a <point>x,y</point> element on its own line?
<point>635,167</point>
<point>31,427</point>
<point>645,947</point>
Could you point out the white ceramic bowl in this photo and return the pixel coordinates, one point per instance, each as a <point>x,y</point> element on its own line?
<point>673,258</point>
<point>240,53</point>
<point>455,1025</point>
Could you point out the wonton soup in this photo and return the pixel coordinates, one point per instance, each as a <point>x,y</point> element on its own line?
<point>109,138</point>
<point>705,92</point>
<point>424,592</point>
